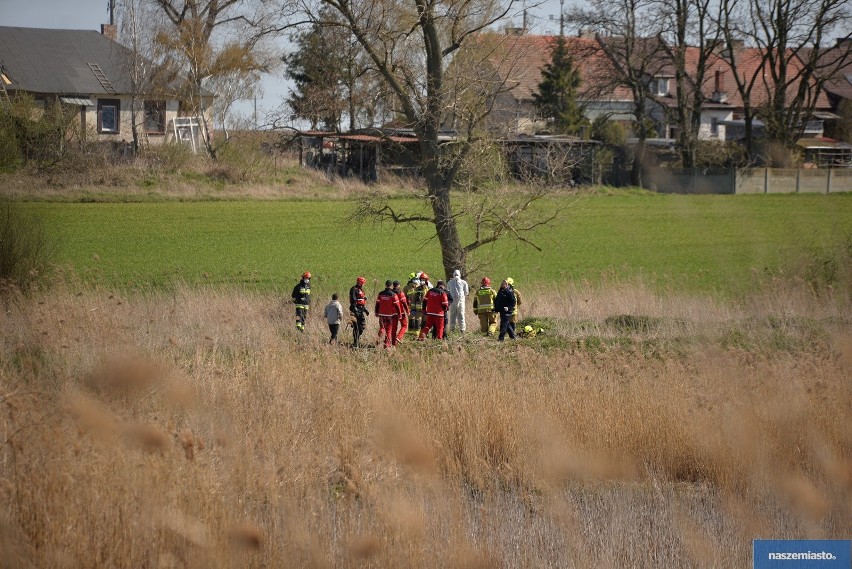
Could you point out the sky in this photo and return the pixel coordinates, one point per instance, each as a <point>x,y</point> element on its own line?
<point>90,14</point>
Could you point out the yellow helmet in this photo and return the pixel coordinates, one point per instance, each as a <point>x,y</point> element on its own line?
<point>510,281</point>
<point>528,328</point>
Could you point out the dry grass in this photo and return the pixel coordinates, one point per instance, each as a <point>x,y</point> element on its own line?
<point>245,175</point>
<point>196,429</point>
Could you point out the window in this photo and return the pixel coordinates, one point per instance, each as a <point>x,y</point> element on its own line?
<point>109,117</point>
<point>155,117</point>
<point>662,87</point>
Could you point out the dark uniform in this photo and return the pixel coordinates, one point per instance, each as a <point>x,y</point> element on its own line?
<point>358,309</point>
<point>504,305</point>
<point>302,300</point>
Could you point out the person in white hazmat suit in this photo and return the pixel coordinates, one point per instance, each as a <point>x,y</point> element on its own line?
<point>459,290</point>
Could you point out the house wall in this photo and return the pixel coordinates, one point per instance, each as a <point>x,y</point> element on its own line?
<point>705,130</point>
<point>510,116</point>
<point>125,132</point>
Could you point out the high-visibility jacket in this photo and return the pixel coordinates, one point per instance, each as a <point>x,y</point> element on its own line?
<point>387,304</point>
<point>517,294</point>
<point>357,299</point>
<point>436,302</point>
<point>415,299</point>
<point>483,301</point>
<point>302,294</point>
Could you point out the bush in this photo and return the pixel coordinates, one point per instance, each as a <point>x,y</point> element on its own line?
<point>170,157</point>
<point>25,250</point>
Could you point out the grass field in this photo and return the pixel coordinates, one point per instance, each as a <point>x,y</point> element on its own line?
<point>151,417</point>
<point>701,243</point>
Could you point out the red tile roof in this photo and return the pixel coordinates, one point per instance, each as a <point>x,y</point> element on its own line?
<point>519,60</point>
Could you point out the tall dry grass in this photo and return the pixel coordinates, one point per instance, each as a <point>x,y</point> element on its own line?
<point>195,428</point>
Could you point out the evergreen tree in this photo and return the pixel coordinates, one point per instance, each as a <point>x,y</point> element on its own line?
<point>331,77</point>
<point>556,99</point>
<point>317,96</point>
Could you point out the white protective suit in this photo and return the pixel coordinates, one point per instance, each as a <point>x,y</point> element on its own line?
<point>459,290</point>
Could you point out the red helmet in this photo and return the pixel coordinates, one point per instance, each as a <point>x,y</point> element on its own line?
<point>486,281</point>
<point>307,275</point>
<point>360,280</point>
<point>424,277</point>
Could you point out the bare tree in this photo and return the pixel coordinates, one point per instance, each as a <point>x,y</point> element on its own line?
<point>691,38</point>
<point>411,45</point>
<point>628,35</point>
<point>780,74</point>
<point>209,39</point>
<point>136,34</point>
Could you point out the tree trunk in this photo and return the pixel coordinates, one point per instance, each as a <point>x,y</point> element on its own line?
<point>438,189</point>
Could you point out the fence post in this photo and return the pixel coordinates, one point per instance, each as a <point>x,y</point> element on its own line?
<point>766,180</point>
<point>828,184</point>
<point>798,179</point>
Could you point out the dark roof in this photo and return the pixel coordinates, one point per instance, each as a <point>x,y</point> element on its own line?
<point>57,61</point>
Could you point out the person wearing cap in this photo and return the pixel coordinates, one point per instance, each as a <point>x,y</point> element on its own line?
<point>388,312</point>
<point>458,291</point>
<point>435,306</point>
<point>358,309</point>
<point>483,307</point>
<point>504,305</point>
<point>401,324</point>
<point>302,299</point>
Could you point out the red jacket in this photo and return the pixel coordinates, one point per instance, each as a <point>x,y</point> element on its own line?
<point>403,302</point>
<point>387,304</point>
<point>436,302</point>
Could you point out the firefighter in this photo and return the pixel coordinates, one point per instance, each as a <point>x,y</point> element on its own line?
<point>302,299</point>
<point>483,306</point>
<point>504,305</point>
<point>358,309</point>
<point>408,291</point>
<point>402,323</point>
<point>415,300</point>
<point>514,319</point>
<point>388,311</point>
<point>436,305</point>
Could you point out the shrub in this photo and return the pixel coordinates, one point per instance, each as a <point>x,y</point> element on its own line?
<point>25,250</point>
<point>170,157</point>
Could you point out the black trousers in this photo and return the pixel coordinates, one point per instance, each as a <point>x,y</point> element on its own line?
<point>506,326</point>
<point>333,328</point>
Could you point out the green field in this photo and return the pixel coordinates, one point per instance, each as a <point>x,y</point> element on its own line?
<point>703,243</point>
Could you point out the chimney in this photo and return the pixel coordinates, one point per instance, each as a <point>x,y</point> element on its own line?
<point>720,81</point>
<point>110,31</point>
<point>719,93</point>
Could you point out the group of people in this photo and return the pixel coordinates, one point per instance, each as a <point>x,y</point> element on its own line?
<point>418,308</point>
